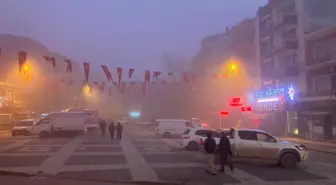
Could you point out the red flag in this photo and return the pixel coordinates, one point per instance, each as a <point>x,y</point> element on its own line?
<point>107,73</point>
<point>156,75</point>
<point>130,73</point>
<point>119,71</point>
<point>110,91</point>
<point>22,60</point>
<point>147,76</point>
<point>47,58</point>
<point>170,74</point>
<point>86,71</point>
<point>69,65</point>
<point>144,88</point>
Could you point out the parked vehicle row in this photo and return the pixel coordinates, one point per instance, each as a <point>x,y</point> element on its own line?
<point>175,127</point>
<point>76,121</point>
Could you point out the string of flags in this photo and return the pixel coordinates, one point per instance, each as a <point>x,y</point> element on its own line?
<point>150,77</point>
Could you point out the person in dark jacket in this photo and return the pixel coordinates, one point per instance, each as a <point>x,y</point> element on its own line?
<point>112,130</point>
<point>210,150</point>
<point>102,126</point>
<point>224,150</point>
<point>119,128</point>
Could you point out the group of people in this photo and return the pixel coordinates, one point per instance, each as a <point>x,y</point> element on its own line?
<point>223,149</point>
<point>112,129</point>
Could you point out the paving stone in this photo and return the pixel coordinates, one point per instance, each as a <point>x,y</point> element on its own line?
<point>15,161</point>
<point>95,160</point>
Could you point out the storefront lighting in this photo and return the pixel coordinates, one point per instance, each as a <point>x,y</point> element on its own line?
<point>267,100</point>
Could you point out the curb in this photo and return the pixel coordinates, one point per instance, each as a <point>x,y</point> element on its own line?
<point>322,151</point>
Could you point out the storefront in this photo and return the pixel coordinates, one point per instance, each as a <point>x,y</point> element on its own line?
<point>275,107</point>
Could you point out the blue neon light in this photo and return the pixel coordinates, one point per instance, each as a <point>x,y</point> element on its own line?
<point>134,114</point>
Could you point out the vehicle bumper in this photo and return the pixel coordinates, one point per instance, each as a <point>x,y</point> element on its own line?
<point>21,132</point>
<point>304,155</point>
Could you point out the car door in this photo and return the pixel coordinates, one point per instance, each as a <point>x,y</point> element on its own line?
<point>247,144</point>
<point>269,146</point>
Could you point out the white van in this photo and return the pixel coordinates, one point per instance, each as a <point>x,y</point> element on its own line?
<point>60,122</point>
<point>172,127</point>
<point>93,115</point>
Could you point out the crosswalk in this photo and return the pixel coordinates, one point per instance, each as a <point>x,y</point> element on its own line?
<point>140,158</point>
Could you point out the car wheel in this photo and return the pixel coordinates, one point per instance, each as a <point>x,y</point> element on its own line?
<point>43,134</point>
<point>289,160</point>
<point>167,134</point>
<point>192,145</point>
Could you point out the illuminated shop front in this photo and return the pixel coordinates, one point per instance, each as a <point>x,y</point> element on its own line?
<point>275,104</point>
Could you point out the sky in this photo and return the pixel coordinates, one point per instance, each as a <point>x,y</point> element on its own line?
<point>126,33</point>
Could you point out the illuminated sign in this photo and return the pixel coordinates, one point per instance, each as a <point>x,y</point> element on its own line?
<point>291,93</point>
<point>134,114</point>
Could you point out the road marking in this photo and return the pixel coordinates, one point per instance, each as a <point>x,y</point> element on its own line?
<point>176,165</point>
<point>25,169</point>
<point>156,148</point>
<point>26,154</point>
<point>35,149</point>
<point>138,166</point>
<point>54,163</point>
<point>93,167</point>
<point>17,143</point>
<point>98,153</point>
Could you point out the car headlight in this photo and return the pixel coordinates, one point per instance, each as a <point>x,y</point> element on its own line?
<point>301,147</point>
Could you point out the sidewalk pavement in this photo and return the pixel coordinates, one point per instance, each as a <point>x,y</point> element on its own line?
<point>320,146</point>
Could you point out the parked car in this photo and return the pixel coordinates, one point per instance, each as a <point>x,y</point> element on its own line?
<point>193,139</point>
<point>23,127</point>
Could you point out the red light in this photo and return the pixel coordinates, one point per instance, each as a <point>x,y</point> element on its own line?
<point>249,109</point>
<point>224,113</point>
<point>235,102</point>
<point>243,109</point>
<point>201,142</point>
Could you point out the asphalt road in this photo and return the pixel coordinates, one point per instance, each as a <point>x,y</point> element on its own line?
<point>140,156</point>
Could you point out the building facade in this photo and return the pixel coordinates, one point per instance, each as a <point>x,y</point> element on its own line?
<point>318,107</point>
<point>282,27</point>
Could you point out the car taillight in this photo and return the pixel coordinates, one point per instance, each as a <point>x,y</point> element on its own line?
<point>201,142</point>
<point>186,137</point>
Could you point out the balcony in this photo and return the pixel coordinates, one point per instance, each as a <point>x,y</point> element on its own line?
<point>281,72</point>
<point>287,45</point>
<point>287,20</point>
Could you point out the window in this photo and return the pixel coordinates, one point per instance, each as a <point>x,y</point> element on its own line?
<point>265,137</point>
<point>291,34</point>
<point>202,133</point>
<point>290,60</point>
<point>248,135</point>
<point>43,121</point>
<point>322,83</point>
<point>216,134</point>
<point>190,125</point>
<point>186,132</point>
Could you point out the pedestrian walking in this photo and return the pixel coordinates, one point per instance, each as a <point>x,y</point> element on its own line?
<point>112,130</point>
<point>102,126</point>
<point>224,151</point>
<point>210,150</point>
<point>119,129</point>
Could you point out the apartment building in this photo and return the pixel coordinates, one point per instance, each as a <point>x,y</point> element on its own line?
<point>319,104</point>
<point>282,29</point>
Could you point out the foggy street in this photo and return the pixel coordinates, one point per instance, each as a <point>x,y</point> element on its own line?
<point>142,156</point>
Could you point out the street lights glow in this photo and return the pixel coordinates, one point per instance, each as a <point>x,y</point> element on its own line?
<point>233,66</point>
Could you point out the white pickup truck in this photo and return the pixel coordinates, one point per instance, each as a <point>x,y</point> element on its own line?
<point>254,143</point>
<point>250,143</point>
